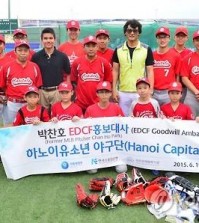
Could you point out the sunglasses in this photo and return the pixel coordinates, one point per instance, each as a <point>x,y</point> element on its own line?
<point>135,30</point>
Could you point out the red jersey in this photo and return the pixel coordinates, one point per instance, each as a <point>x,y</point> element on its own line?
<point>166,68</point>
<point>107,54</point>
<point>12,54</point>
<point>24,116</point>
<point>94,111</point>
<point>182,112</point>
<point>87,75</point>
<point>15,78</point>
<point>73,51</point>
<point>3,61</point>
<point>65,114</point>
<point>190,68</point>
<point>150,109</point>
<point>183,53</point>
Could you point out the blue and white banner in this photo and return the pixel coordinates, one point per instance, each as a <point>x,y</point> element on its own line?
<point>68,146</point>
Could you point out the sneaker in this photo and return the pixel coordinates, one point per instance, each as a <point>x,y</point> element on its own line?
<point>156,172</point>
<point>92,171</point>
<point>121,168</point>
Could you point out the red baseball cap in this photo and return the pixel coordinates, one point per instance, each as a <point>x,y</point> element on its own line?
<point>32,89</point>
<point>65,86</point>
<point>102,32</point>
<point>163,30</point>
<point>181,29</point>
<point>195,34</point>
<point>90,39</point>
<point>73,24</point>
<point>105,85</point>
<point>21,43</point>
<point>175,86</point>
<point>2,39</point>
<point>19,31</point>
<point>142,80</point>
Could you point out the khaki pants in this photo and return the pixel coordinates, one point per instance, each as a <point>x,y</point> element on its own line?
<point>48,98</point>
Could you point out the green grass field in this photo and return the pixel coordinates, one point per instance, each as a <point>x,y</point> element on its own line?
<point>51,199</point>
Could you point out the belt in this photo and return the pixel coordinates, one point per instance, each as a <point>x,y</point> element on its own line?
<point>16,100</point>
<point>49,88</point>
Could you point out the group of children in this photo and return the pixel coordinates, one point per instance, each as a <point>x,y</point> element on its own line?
<point>144,106</point>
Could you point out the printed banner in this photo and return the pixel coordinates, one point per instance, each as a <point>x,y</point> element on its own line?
<point>67,146</point>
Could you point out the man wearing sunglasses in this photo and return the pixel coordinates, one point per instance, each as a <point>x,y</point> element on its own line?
<point>131,61</point>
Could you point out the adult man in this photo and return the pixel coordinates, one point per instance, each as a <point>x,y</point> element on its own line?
<point>73,48</point>
<point>131,61</point>
<point>53,65</point>
<point>103,38</point>
<point>87,71</point>
<point>190,76</point>
<point>180,38</point>
<point>15,77</point>
<point>166,66</point>
<point>19,34</point>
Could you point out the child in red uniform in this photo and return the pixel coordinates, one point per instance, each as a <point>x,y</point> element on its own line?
<point>175,109</point>
<point>105,108</point>
<point>65,109</point>
<point>87,71</point>
<point>144,106</point>
<point>31,113</point>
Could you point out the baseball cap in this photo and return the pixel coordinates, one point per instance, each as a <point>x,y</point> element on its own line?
<point>175,86</point>
<point>195,34</point>
<point>181,29</point>
<point>2,39</point>
<point>64,86</point>
<point>32,89</point>
<point>105,85</point>
<point>102,32</point>
<point>90,39</point>
<point>19,31</point>
<point>163,30</point>
<point>142,80</point>
<point>21,43</point>
<point>73,24</point>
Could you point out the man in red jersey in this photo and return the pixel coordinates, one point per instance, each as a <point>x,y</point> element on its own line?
<point>87,71</point>
<point>167,64</point>
<point>19,34</point>
<point>190,76</point>
<point>32,112</point>
<point>103,38</point>
<point>15,77</point>
<point>180,38</point>
<point>175,109</point>
<point>65,109</point>
<point>73,48</point>
<point>105,108</point>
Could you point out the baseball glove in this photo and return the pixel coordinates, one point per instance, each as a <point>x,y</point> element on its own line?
<point>85,200</point>
<point>108,199</point>
<point>137,177</point>
<point>97,184</point>
<point>133,194</point>
<point>156,194</point>
<point>122,181</point>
